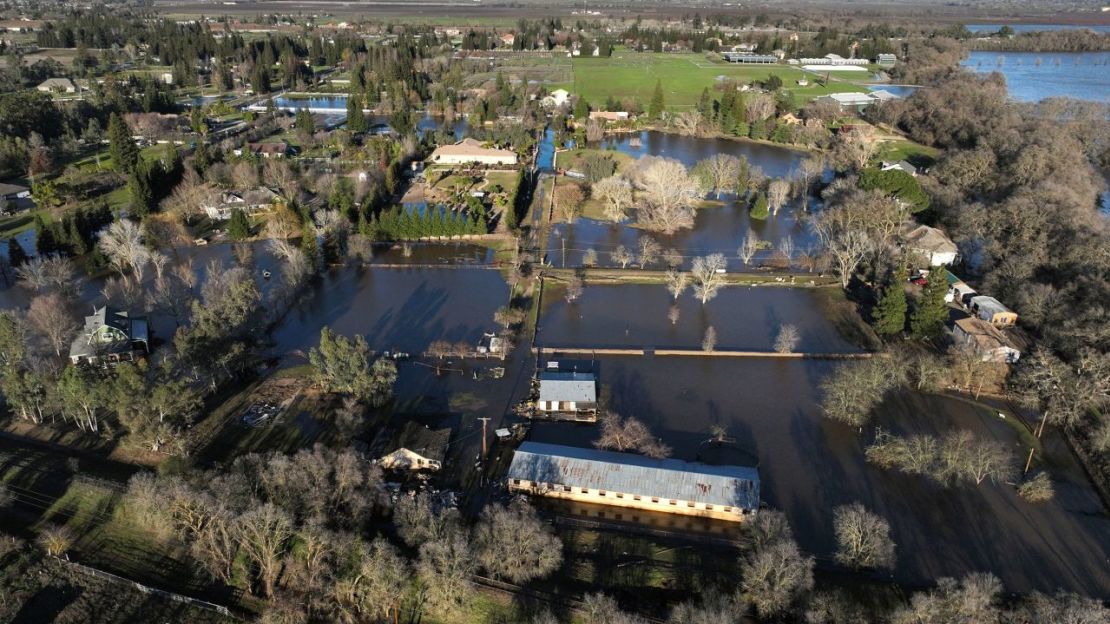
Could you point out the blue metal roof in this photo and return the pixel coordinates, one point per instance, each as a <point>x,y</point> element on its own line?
<point>728,486</point>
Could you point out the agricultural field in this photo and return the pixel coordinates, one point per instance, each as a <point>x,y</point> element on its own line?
<point>683,76</point>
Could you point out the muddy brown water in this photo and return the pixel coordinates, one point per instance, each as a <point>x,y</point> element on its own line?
<point>809,465</point>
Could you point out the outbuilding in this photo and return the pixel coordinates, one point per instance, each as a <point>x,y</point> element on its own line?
<point>634,481</point>
<point>567,392</point>
<point>417,448</point>
<point>986,339</point>
<point>992,311</point>
<point>932,245</point>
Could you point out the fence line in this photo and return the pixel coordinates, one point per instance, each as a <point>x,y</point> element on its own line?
<point>108,576</point>
<point>699,353</point>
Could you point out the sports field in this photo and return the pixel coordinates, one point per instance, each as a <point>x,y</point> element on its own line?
<point>683,76</point>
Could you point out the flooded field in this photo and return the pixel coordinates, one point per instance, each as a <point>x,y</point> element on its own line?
<point>775,161</point>
<point>809,465</point>
<point>745,318</point>
<point>396,309</point>
<point>716,230</point>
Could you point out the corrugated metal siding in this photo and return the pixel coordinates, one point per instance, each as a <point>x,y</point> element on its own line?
<point>730,486</point>
<point>573,387</point>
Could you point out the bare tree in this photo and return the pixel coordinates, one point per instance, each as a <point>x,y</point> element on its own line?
<point>423,518</point>
<point>709,341</point>
<point>669,192</point>
<point>629,434</point>
<point>718,173</point>
<point>854,389</point>
<point>378,587</point>
<point>708,276</point>
<point>589,258</point>
<point>811,169</point>
<point>766,528</point>
<point>759,106</point>
<point>775,577</point>
<point>649,251</point>
<point>512,543</point>
<point>672,258</point>
<point>1037,489</point>
<point>777,192</point>
<point>856,148</point>
<point>786,248</point>
<point>749,247</point>
<point>616,193</point>
<point>788,339</point>
<point>216,545</point>
<point>189,196</point>
<point>676,282</point>
<point>52,317</point>
<point>568,201</point>
<point>262,533</point>
<point>48,273</point>
<point>971,601</point>
<point>445,567</point>
<point>597,607</point>
<point>621,256</point>
<point>56,539</point>
<point>673,314</point>
<point>862,538</point>
<point>122,243</point>
<point>574,288</point>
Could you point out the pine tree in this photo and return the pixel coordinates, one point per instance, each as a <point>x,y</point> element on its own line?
<point>760,207</point>
<point>581,109</point>
<point>305,124</point>
<point>356,121</point>
<point>931,312</point>
<point>124,152</point>
<point>655,108</point>
<point>238,226</point>
<point>140,188</point>
<point>890,313</point>
<point>45,241</point>
<point>309,247</point>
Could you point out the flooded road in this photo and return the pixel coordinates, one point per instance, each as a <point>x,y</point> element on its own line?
<point>809,465</point>
<point>636,315</point>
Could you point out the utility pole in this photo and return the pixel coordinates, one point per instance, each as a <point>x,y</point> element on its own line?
<point>564,241</point>
<point>1029,462</point>
<point>484,421</point>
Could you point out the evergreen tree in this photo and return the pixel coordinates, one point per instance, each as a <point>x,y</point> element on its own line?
<point>581,109</point>
<point>931,312</point>
<point>306,126</point>
<point>356,121</point>
<point>760,207</point>
<point>655,108</point>
<point>140,188</point>
<point>75,239</point>
<point>124,152</point>
<point>45,240</point>
<point>890,313</point>
<point>238,226</point>
<point>16,255</point>
<point>309,247</point>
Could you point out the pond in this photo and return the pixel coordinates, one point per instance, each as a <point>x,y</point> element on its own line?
<point>1033,76</point>
<point>636,315</point>
<point>809,465</point>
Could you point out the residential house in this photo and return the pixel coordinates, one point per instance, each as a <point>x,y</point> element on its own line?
<point>991,310</point>
<point>111,336</point>
<point>507,39</point>
<point>12,192</point>
<point>900,165</point>
<point>470,151</point>
<point>986,339</point>
<point>790,119</point>
<point>931,244</point>
<point>417,448</point>
<point>609,116</point>
<point>567,391</point>
<point>250,201</point>
<point>634,482</point>
<point>556,98</point>
<point>855,100</point>
<point>57,85</point>
<point>276,149</point>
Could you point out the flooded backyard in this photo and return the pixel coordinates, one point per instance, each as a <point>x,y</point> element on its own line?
<point>809,465</point>
<point>745,318</point>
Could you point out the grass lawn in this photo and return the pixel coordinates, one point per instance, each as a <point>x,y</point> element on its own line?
<point>905,149</point>
<point>683,76</point>
<point>19,223</point>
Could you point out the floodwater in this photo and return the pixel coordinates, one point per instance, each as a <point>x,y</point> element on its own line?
<point>716,230</point>
<point>1034,76</point>
<point>775,160</point>
<point>396,309</point>
<point>636,315</point>
<point>338,102</point>
<point>809,465</point>
<point>1022,28</point>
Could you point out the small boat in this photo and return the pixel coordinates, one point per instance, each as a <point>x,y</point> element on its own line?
<point>265,275</point>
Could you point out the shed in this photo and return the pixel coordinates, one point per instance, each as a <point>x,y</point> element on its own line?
<point>987,340</point>
<point>991,310</point>
<point>567,391</point>
<point>932,244</point>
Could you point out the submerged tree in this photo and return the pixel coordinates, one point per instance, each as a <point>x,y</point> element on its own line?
<point>862,538</point>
